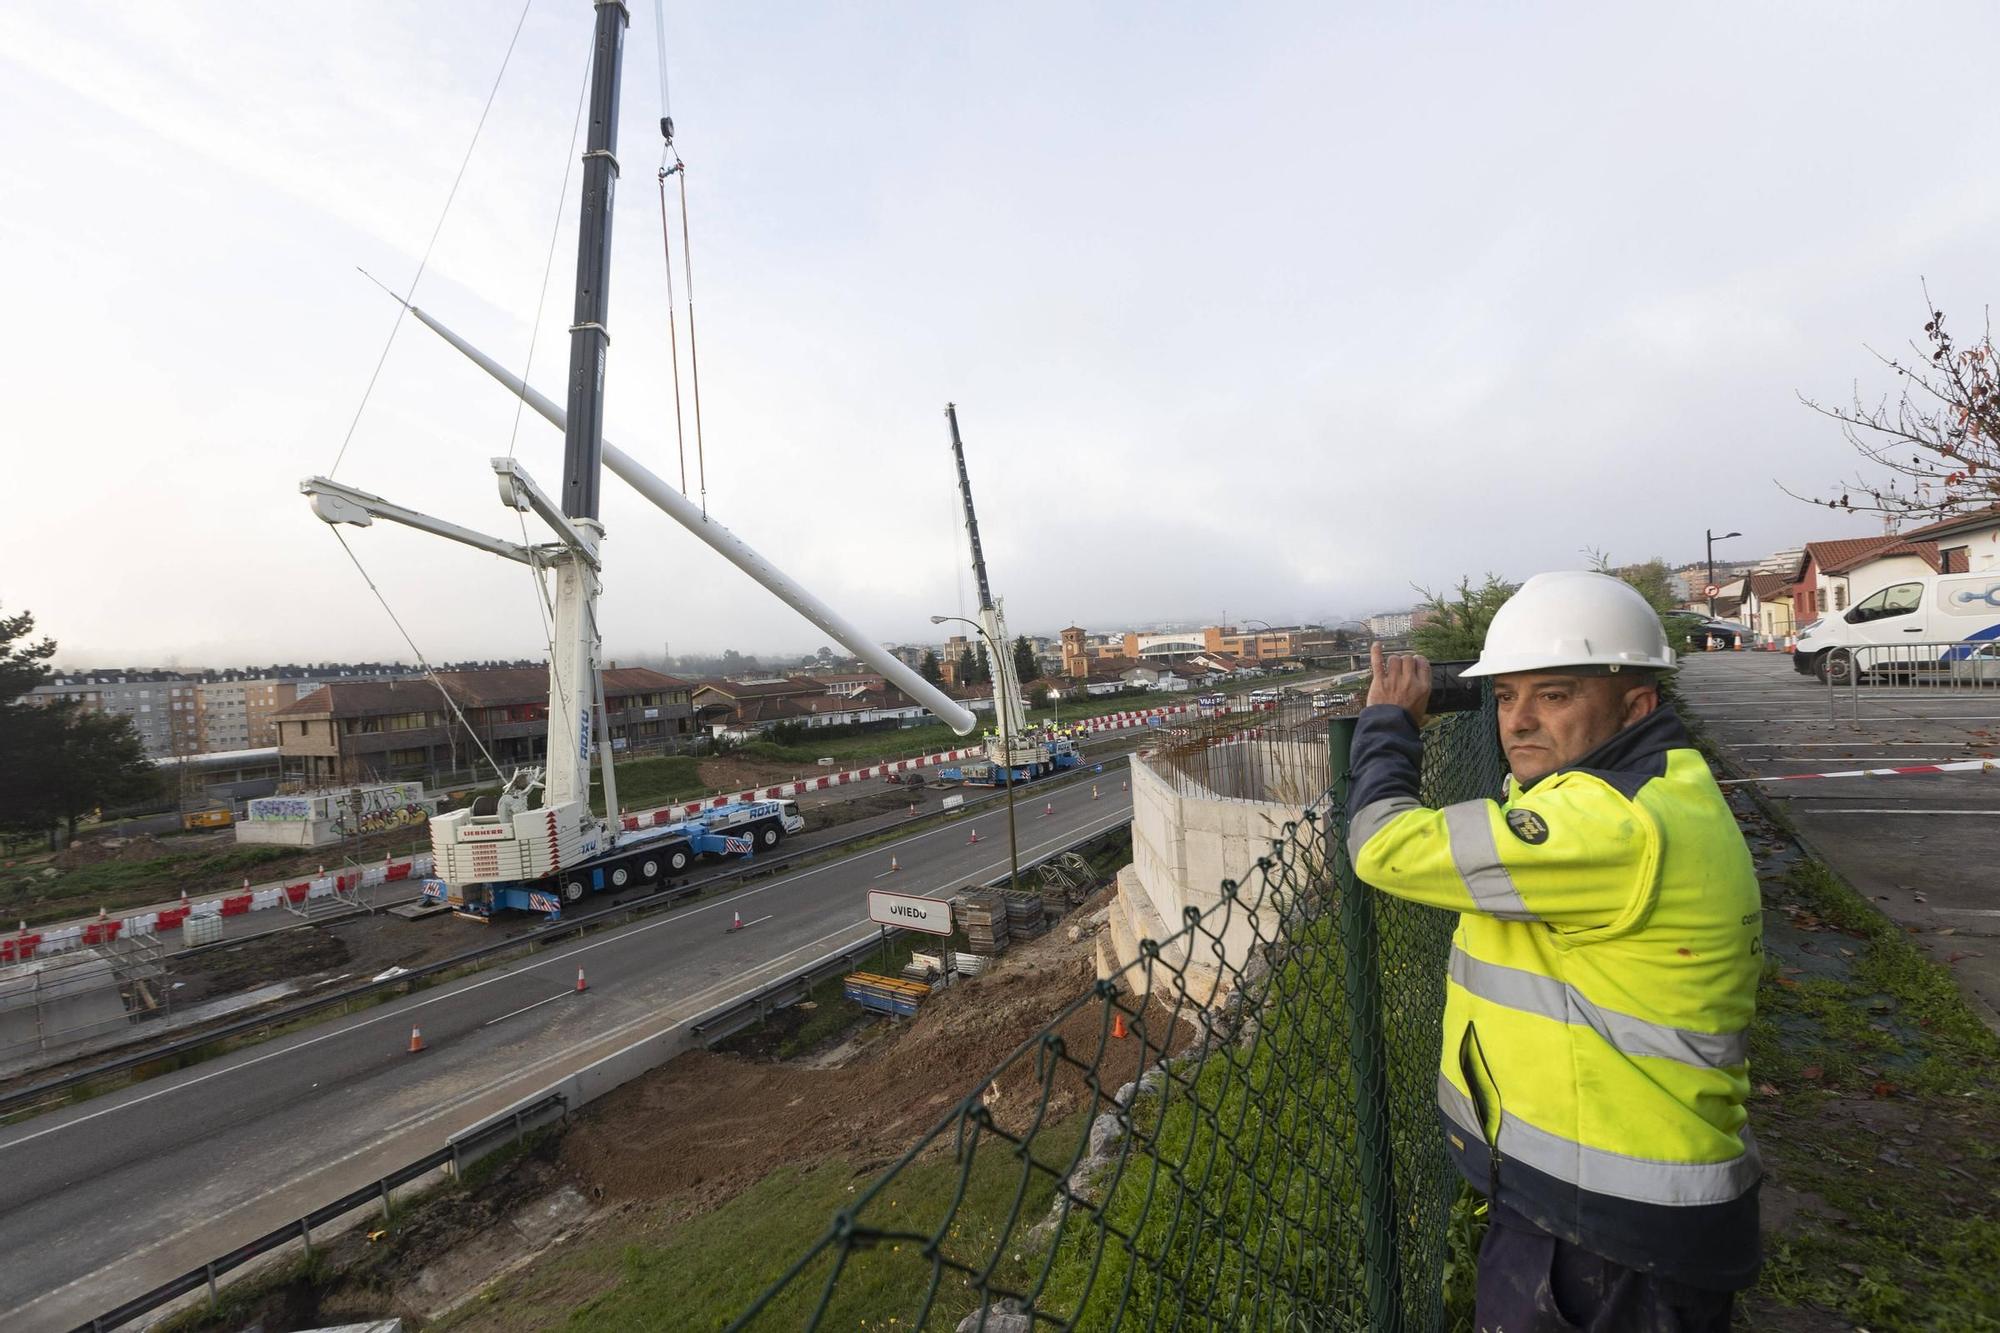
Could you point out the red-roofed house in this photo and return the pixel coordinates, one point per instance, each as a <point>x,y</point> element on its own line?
<point>1967,543</point>
<point>1835,575</point>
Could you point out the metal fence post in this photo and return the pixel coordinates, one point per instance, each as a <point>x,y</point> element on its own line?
<point>1363,983</point>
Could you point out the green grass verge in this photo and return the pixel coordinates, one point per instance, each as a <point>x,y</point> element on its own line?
<point>28,892</point>
<point>706,1271</point>
<point>1878,1113</point>
<point>654,781</point>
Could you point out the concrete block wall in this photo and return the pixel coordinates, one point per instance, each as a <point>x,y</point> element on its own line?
<point>1184,845</point>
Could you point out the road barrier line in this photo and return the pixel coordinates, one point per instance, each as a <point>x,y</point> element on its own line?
<point>1958,766</point>
<point>526,1007</point>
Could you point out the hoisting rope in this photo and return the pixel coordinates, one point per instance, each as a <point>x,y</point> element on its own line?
<point>668,153</point>
<point>424,262</point>
<point>415,651</point>
<point>536,573</point>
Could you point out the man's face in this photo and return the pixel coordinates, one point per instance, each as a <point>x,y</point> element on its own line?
<point>1549,719</point>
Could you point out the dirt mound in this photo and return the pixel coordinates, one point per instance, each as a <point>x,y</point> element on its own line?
<point>136,847</point>
<point>733,773</point>
<point>706,1126</point>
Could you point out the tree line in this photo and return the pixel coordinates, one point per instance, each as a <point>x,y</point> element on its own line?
<point>61,760</point>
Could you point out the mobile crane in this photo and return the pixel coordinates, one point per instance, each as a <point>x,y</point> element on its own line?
<point>1016,754</point>
<point>537,845</point>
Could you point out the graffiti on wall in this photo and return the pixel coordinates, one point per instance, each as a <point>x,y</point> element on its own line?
<point>281,808</point>
<point>375,809</point>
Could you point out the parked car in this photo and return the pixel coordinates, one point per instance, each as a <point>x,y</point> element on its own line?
<point>1706,634</point>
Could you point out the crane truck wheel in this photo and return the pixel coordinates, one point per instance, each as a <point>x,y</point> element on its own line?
<point>619,876</point>
<point>677,860</point>
<point>650,871</point>
<point>573,891</point>
<point>767,837</point>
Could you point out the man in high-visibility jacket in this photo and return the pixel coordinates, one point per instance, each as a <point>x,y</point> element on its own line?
<point>1602,977</point>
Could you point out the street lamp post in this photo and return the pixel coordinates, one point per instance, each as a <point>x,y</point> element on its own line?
<point>1006,746</point>
<point>1712,540</point>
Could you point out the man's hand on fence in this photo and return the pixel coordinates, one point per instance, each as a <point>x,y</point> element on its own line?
<point>1402,679</point>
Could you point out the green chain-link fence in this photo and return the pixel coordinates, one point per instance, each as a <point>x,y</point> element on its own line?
<point>1258,1152</point>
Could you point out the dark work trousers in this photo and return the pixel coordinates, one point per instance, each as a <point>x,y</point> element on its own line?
<point>1531,1282</point>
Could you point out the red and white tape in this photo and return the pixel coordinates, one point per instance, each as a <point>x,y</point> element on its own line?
<point>1957,766</point>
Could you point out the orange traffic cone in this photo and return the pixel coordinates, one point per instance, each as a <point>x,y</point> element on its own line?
<point>1123,787</point>
<point>1048,809</point>
<point>913,807</point>
<point>736,920</point>
<point>416,1040</point>
<point>1118,1028</point>
<point>581,984</point>
<point>973,839</point>
<point>1093,791</point>
<point>893,867</point>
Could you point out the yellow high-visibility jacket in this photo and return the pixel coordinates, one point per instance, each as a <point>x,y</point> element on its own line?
<point>1602,981</point>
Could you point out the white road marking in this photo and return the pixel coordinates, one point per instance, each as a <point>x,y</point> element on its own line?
<point>526,1007</point>
<point>1969,911</point>
<point>399,1013</point>
<point>1811,810</point>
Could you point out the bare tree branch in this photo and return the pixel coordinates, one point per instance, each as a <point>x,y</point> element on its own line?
<point>1941,433</point>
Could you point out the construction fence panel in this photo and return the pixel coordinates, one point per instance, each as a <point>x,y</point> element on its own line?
<point>1235,1131</point>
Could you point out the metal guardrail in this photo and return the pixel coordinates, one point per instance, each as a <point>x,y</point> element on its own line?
<point>470,1144</point>
<point>453,1155</point>
<point>1948,666</point>
<point>25,1098</point>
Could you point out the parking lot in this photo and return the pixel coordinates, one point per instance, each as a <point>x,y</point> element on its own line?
<point>1925,848</point>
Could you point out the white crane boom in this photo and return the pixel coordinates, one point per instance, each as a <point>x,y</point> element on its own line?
<point>728,545</point>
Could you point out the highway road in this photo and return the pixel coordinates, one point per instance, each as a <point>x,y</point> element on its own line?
<point>105,1199</point>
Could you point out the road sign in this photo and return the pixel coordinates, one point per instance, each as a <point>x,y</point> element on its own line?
<point>1710,590</point>
<point>907,910</point>
<point>951,802</point>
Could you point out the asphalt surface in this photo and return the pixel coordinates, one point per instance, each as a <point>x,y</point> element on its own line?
<point>1922,847</point>
<point>115,1195</point>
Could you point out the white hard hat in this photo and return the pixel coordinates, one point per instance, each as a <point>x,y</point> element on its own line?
<point>1574,618</point>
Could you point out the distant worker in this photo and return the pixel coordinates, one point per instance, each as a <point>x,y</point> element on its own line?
<point>1603,974</point>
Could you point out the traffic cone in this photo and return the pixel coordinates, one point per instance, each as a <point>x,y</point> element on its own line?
<point>973,839</point>
<point>893,867</point>
<point>416,1040</point>
<point>1122,786</point>
<point>1118,1028</point>
<point>736,920</point>
<point>1048,809</point>
<point>581,984</point>
<point>100,911</point>
<point>913,807</point>
<point>1093,791</point>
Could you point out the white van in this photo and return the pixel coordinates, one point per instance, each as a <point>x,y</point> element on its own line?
<point>1917,621</point>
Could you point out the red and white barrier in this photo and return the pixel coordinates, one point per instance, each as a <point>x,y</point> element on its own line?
<point>669,813</point>
<point>28,945</point>
<point>1956,766</point>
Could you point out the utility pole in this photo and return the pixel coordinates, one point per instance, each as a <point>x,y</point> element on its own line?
<point>1712,540</point>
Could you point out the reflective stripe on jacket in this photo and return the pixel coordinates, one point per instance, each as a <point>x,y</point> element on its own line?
<point>1602,980</point>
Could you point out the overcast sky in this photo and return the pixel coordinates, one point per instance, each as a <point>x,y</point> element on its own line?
<point>1258,311</point>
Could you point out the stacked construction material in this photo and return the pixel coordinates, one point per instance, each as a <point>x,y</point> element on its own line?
<point>984,915</point>
<point>1025,917</point>
<point>889,995</point>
